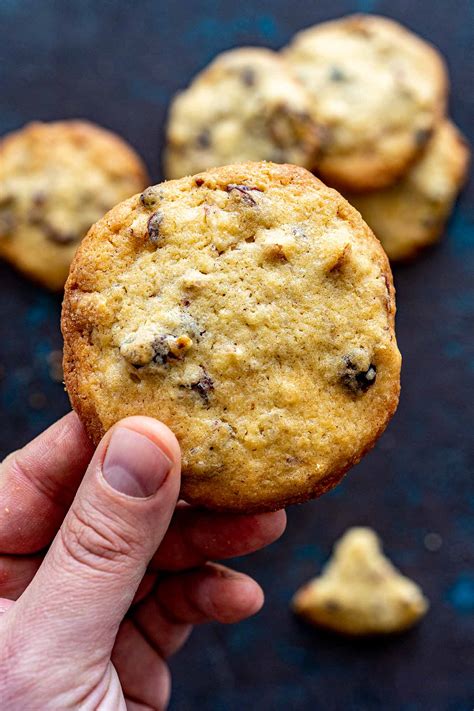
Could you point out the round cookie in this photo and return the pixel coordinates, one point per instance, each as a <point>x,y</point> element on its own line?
<point>376,89</point>
<point>245,105</point>
<point>56,180</point>
<point>251,309</point>
<point>412,213</point>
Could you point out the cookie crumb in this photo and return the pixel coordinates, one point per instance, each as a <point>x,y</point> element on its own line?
<point>359,591</point>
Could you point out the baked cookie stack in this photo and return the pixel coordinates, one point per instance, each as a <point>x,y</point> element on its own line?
<point>361,101</point>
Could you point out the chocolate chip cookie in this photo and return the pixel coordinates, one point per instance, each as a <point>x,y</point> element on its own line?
<point>56,180</point>
<point>377,90</point>
<point>412,214</point>
<point>252,310</point>
<point>245,106</point>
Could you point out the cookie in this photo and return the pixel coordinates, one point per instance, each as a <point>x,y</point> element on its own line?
<point>56,180</point>
<point>412,214</point>
<point>378,91</point>
<point>252,310</point>
<point>244,106</point>
<point>360,592</point>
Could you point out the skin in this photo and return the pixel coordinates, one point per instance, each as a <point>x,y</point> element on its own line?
<point>98,588</point>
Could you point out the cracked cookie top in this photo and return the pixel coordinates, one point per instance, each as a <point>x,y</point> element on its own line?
<point>252,310</point>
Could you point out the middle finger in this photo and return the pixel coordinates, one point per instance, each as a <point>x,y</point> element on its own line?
<point>196,536</point>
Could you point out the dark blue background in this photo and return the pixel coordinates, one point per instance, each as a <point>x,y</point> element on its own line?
<point>119,63</point>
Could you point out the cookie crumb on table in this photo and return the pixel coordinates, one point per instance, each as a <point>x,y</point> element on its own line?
<point>359,591</point>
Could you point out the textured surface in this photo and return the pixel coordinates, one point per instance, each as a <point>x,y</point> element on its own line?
<point>56,180</point>
<point>412,214</point>
<point>252,310</point>
<point>245,106</point>
<point>120,67</point>
<point>377,91</point>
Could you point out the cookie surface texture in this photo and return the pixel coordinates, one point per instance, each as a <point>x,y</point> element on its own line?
<point>412,214</point>
<point>252,310</point>
<point>377,90</point>
<point>56,180</point>
<point>245,105</point>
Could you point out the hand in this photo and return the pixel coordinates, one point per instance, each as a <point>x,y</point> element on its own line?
<point>89,622</point>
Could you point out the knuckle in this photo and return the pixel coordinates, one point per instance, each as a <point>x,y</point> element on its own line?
<point>96,541</point>
<point>20,469</point>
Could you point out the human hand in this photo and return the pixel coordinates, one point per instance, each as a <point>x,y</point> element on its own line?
<point>102,575</point>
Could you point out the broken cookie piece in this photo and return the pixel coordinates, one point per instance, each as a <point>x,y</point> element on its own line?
<point>360,592</point>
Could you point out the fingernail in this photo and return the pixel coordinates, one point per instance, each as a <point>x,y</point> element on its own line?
<point>134,464</point>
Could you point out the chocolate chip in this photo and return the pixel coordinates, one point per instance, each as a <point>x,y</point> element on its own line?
<point>248,76</point>
<point>161,350</point>
<point>422,136</point>
<point>39,198</point>
<point>244,191</point>
<point>36,211</point>
<point>7,215</point>
<point>149,197</point>
<point>203,139</point>
<point>7,223</point>
<point>154,228</point>
<point>57,236</point>
<point>198,182</point>
<point>203,386</point>
<point>336,74</point>
<point>356,380</point>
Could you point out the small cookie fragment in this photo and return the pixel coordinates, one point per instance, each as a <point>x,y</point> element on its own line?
<point>56,180</point>
<point>412,214</point>
<point>245,105</point>
<point>376,89</point>
<point>360,592</point>
<point>240,330</point>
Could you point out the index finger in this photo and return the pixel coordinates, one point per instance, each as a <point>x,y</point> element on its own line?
<point>38,484</point>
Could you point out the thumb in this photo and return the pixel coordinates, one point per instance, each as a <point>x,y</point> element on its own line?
<point>77,600</point>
